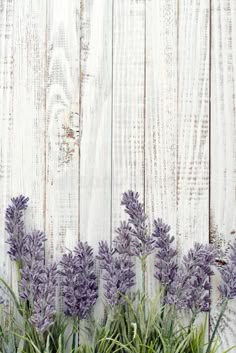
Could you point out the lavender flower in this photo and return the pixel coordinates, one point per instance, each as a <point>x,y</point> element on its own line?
<point>32,262</point>
<point>190,287</point>
<point>138,221</point>
<point>15,227</point>
<point>118,277</point>
<point>38,288</point>
<point>34,248</point>
<point>79,281</point>
<point>166,263</point>
<point>228,275</point>
<point>125,243</point>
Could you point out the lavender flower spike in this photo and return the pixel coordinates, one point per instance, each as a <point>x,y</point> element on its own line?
<point>79,281</point>
<point>118,276</point>
<point>34,248</point>
<point>166,263</point>
<point>228,275</point>
<point>15,227</point>
<point>190,288</point>
<point>125,243</point>
<point>144,244</point>
<point>38,287</point>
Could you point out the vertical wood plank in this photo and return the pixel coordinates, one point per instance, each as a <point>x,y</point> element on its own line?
<point>28,129</point>
<point>96,100</point>
<point>128,102</point>
<point>193,123</point>
<point>161,116</point>
<point>62,132</point>
<point>6,120</point>
<point>22,112</point>
<point>223,141</point>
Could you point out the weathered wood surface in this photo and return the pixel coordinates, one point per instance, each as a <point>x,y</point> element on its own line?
<point>100,96</point>
<point>223,138</point>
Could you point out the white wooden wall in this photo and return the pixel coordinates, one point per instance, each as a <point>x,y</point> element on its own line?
<point>100,96</point>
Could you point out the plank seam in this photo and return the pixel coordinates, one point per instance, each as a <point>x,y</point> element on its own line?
<point>111,142</point>
<point>209,149</point>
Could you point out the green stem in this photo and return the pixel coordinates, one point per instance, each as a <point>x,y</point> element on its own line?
<point>144,268</point>
<point>143,264</point>
<point>192,321</point>
<point>224,306</point>
<point>75,332</point>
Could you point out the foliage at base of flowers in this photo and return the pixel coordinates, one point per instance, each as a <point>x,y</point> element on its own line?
<point>52,309</point>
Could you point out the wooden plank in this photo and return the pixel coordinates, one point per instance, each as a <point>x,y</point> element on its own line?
<point>193,123</point>
<point>128,102</point>
<point>6,120</point>
<point>161,116</point>
<point>223,140</point>
<point>96,100</point>
<point>23,107</point>
<point>62,128</point>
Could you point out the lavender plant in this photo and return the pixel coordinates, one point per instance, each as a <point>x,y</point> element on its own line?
<point>118,276</point>
<point>140,324</point>
<point>15,227</point>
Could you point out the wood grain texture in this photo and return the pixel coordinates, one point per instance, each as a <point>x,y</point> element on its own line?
<point>128,103</point>
<point>62,128</point>
<point>161,116</point>
<point>223,141</point>
<point>102,96</point>
<point>193,123</point>
<point>96,120</point>
<point>22,118</point>
<point>6,119</point>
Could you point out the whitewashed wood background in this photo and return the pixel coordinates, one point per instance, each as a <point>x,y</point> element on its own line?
<point>100,96</point>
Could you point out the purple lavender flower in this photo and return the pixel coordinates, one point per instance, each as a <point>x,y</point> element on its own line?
<point>191,285</point>
<point>138,221</point>
<point>32,262</point>
<point>228,275</point>
<point>125,243</point>
<point>15,227</point>
<point>38,288</point>
<point>79,281</point>
<point>166,263</point>
<point>34,248</point>
<point>118,276</point>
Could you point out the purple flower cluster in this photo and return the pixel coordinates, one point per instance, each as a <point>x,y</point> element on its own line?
<point>228,275</point>
<point>166,262</point>
<point>15,227</point>
<point>38,282</point>
<point>191,285</point>
<point>136,230</point>
<point>186,285</point>
<point>38,288</point>
<point>79,281</point>
<point>118,276</point>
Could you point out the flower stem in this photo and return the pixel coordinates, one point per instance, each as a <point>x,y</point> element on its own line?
<point>144,268</point>
<point>75,332</point>
<point>224,306</point>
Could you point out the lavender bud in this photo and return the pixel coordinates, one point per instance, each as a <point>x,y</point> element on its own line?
<point>143,244</point>
<point>191,285</point>
<point>118,274</point>
<point>228,275</point>
<point>79,281</point>
<point>38,288</point>
<point>34,248</point>
<point>125,243</point>
<point>166,263</point>
<point>15,227</point>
